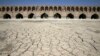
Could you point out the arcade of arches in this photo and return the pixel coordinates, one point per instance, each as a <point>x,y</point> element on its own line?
<point>81,12</point>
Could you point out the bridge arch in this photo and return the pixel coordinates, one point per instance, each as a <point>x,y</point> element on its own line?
<point>6,16</point>
<point>44,15</point>
<point>82,16</point>
<point>19,16</point>
<point>31,15</point>
<point>70,16</point>
<point>95,16</point>
<point>57,15</point>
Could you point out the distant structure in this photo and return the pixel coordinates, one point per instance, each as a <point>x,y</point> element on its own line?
<point>59,12</point>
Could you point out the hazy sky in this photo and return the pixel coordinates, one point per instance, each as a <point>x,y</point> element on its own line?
<point>51,2</point>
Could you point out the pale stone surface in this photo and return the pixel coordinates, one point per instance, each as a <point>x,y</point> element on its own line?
<point>50,38</point>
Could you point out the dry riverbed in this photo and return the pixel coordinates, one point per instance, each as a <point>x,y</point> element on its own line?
<point>50,38</point>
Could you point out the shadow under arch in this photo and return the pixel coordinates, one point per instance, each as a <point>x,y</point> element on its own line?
<point>57,15</point>
<point>82,16</point>
<point>70,16</point>
<point>6,16</point>
<point>95,16</point>
<point>31,15</point>
<point>19,16</point>
<point>44,15</point>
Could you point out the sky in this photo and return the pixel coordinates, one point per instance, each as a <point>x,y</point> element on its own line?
<point>51,2</point>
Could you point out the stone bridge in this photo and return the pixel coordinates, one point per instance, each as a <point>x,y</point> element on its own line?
<point>60,12</point>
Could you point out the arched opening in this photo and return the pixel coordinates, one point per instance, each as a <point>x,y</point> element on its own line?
<point>20,8</point>
<point>57,15</point>
<point>16,8</point>
<point>95,16</point>
<point>98,9</point>
<point>44,15</point>
<point>3,8</point>
<point>77,8</point>
<point>68,8</point>
<point>50,8</point>
<point>42,8</point>
<point>7,16</point>
<point>8,55</point>
<point>82,16</point>
<point>19,16</point>
<point>24,8</point>
<point>94,9</point>
<point>29,8</point>
<point>46,8</point>
<point>55,8</point>
<point>33,8</point>
<point>72,8</point>
<point>31,15</point>
<point>85,8</point>
<point>81,8</point>
<point>70,16</point>
<point>59,8</point>
<point>7,9</point>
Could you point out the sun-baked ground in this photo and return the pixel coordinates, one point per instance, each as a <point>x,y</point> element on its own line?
<point>50,38</point>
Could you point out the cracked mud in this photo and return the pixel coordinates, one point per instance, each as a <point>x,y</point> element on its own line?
<point>49,39</point>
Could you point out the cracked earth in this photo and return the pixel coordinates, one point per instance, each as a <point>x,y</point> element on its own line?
<point>62,38</point>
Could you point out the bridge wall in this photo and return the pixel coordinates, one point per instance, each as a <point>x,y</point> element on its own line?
<point>63,11</point>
